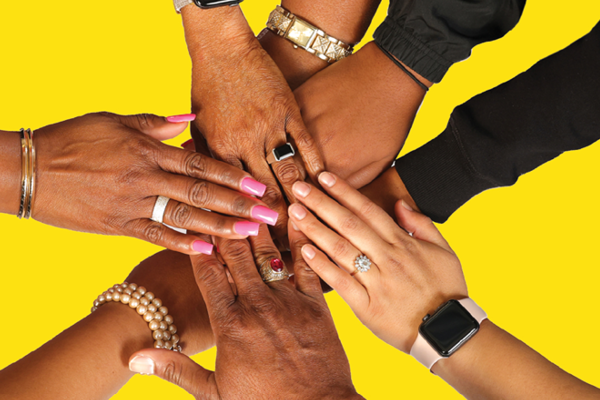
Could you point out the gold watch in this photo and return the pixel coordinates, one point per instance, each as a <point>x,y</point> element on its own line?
<point>307,36</point>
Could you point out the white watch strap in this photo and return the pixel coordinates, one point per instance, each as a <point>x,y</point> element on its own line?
<point>179,4</point>
<point>424,353</point>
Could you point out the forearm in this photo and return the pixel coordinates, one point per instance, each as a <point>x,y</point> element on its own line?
<point>10,178</point>
<point>387,189</point>
<point>346,20</point>
<point>496,365</point>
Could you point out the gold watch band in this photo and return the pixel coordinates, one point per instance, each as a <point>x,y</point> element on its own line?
<point>307,36</point>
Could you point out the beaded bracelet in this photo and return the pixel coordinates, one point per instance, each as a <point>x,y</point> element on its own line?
<point>149,307</point>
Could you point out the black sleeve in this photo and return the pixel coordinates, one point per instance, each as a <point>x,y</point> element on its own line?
<point>510,130</point>
<point>431,35</point>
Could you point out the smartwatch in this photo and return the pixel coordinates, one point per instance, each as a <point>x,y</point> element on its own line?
<point>447,330</point>
<point>179,4</point>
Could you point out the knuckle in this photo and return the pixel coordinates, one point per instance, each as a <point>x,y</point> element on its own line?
<point>240,205</point>
<point>349,223</point>
<point>200,194</point>
<point>195,165</point>
<point>288,173</point>
<point>264,308</point>
<point>235,249</point>
<point>154,232</point>
<point>340,249</point>
<point>173,373</point>
<point>181,215</point>
<point>145,121</point>
<point>272,195</point>
<point>368,208</point>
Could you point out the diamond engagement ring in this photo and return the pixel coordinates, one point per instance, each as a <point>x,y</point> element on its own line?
<point>362,263</point>
<point>273,270</point>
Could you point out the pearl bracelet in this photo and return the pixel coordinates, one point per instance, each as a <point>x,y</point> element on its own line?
<point>149,307</point>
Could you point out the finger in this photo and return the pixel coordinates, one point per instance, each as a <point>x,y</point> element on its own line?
<point>371,214</point>
<point>305,143</point>
<point>338,217</point>
<point>306,280</point>
<point>159,128</point>
<point>264,251</point>
<point>161,235</point>
<point>175,368</point>
<point>419,226</point>
<point>207,195</point>
<point>240,262</point>
<point>350,289</point>
<point>338,248</point>
<point>211,279</point>
<point>199,166</point>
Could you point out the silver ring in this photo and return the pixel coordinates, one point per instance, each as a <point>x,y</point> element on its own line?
<point>273,270</point>
<point>158,213</point>
<point>362,263</point>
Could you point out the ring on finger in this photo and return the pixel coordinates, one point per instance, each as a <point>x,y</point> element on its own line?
<point>362,264</point>
<point>281,153</point>
<point>273,270</point>
<point>158,213</point>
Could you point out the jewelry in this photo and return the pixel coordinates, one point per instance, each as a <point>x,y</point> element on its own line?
<point>281,153</point>
<point>158,213</point>
<point>27,173</point>
<point>307,36</point>
<point>179,4</point>
<point>32,173</point>
<point>149,307</point>
<point>273,270</point>
<point>362,263</point>
<point>403,68</point>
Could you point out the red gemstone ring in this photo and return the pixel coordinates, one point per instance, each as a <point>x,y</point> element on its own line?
<point>273,270</point>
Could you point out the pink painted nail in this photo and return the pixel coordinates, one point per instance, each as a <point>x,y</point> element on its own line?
<point>142,365</point>
<point>301,189</point>
<point>251,186</point>
<point>265,215</point>
<point>327,179</point>
<point>175,119</point>
<point>246,228</point>
<point>202,247</point>
<point>297,211</point>
<point>185,144</point>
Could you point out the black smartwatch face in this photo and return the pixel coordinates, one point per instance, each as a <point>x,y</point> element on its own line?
<point>216,3</point>
<point>449,327</point>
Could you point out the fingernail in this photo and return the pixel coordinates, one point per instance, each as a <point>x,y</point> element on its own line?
<point>246,228</point>
<point>142,365</point>
<point>308,252</point>
<point>181,118</point>
<point>185,144</point>
<point>295,226</point>
<point>297,211</point>
<point>301,189</point>
<point>327,179</point>
<point>251,186</point>
<point>405,205</point>
<point>202,247</point>
<point>265,215</point>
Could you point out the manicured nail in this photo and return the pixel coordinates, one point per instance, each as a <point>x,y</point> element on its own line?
<point>202,247</point>
<point>301,189</point>
<point>265,215</point>
<point>251,186</point>
<point>308,252</point>
<point>405,205</point>
<point>327,179</point>
<point>185,144</point>
<point>297,211</point>
<point>246,228</point>
<point>142,365</point>
<point>175,119</point>
<point>295,226</point>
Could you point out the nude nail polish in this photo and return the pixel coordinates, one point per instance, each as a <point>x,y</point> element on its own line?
<point>405,205</point>
<point>202,247</point>
<point>294,226</point>
<point>327,179</point>
<point>175,119</point>
<point>246,228</point>
<point>308,252</point>
<point>265,215</point>
<point>301,189</point>
<point>297,211</point>
<point>142,365</point>
<point>253,187</point>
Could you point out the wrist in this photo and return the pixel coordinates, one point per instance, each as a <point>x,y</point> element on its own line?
<point>387,189</point>
<point>10,179</point>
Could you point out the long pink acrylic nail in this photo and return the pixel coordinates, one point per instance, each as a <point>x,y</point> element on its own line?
<point>246,228</point>
<point>254,187</point>
<point>202,247</point>
<point>265,215</point>
<point>175,119</point>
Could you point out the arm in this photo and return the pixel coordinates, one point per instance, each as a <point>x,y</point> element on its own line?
<point>10,165</point>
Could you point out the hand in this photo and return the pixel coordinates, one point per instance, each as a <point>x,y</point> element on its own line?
<point>245,107</point>
<point>275,340</point>
<point>411,275</point>
<point>359,111</point>
<point>100,173</point>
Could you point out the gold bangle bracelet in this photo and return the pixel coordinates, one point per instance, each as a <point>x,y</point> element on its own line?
<point>24,172</point>
<point>32,170</point>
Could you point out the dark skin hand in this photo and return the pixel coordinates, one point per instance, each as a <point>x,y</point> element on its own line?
<point>295,352</point>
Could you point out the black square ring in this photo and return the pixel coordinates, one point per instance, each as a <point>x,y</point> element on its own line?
<point>283,152</point>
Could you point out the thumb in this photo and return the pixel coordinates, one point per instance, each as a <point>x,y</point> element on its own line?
<point>178,369</point>
<point>160,128</point>
<point>419,226</point>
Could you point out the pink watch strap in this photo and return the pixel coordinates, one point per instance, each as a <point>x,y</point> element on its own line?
<point>422,350</point>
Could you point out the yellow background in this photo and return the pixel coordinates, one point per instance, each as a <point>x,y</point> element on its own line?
<point>530,252</point>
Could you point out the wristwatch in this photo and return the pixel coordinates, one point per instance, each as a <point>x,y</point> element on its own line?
<point>307,36</point>
<point>447,330</point>
<point>179,4</point>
